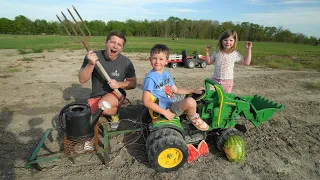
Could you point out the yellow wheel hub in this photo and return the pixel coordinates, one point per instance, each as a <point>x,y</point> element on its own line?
<point>170,158</point>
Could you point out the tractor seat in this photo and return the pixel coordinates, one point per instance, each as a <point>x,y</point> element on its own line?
<point>184,54</point>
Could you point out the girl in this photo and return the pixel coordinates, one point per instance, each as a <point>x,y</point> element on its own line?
<point>224,58</point>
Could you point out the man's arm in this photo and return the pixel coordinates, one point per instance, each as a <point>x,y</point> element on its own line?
<point>129,83</point>
<point>85,73</point>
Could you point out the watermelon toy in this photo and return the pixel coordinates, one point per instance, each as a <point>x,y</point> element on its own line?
<point>193,153</point>
<point>203,148</point>
<point>235,148</point>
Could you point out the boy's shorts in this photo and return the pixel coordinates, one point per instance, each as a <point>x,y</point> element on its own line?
<point>174,107</point>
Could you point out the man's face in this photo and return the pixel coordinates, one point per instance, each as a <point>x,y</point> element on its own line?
<point>114,47</point>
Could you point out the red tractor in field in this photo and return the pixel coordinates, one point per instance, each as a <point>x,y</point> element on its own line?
<point>187,61</point>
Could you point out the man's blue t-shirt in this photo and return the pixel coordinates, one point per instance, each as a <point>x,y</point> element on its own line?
<point>160,87</point>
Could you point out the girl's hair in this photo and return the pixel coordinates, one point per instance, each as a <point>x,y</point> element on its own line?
<point>225,35</point>
<point>156,49</point>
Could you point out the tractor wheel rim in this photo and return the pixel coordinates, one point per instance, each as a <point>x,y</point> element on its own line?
<point>170,158</point>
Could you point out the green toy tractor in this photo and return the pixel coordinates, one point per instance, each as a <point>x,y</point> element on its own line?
<point>167,140</point>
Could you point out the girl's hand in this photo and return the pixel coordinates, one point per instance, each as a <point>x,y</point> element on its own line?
<point>92,58</point>
<point>113,84</point>
<point>168,114</point>
<point>208,48</point>
<point>248,44</point>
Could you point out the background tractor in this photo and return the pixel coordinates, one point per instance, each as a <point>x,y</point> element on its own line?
<point>183,59</point>
<point>167,140</point>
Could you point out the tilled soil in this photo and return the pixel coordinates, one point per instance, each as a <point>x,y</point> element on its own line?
<point>35,90</point>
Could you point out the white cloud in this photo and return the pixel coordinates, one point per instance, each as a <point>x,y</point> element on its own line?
<point>293,16</point>
<point>283,2</point>
<point>256,2</point>
<point>179,10</point>
<point>298,2</point>
<point>303,20</point>
<point>144,2</point>
<point>93,9</point>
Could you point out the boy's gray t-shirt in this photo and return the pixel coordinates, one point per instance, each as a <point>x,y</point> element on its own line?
<point>118,69</point>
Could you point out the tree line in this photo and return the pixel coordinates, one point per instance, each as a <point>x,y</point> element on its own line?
<point>173,27</point>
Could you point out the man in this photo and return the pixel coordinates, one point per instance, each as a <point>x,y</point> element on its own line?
<point>118,67</point>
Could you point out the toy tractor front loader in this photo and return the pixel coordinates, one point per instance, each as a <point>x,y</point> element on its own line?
<point>167,141</point>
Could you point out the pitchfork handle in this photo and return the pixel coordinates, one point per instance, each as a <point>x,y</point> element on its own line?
<point>102,70</point>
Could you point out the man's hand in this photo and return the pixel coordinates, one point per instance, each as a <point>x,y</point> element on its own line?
<point>113,84</point>
<point>92,58</point>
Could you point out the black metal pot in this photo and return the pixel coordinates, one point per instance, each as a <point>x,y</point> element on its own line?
<point>77,121</point>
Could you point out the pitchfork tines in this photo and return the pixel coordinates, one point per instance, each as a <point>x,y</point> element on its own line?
<point>78,31</point>
<point>82,39</point>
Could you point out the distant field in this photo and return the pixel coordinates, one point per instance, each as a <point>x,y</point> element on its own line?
<point>275,55</point>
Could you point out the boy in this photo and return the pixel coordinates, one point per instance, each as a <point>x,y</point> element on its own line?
<point>159,83</point>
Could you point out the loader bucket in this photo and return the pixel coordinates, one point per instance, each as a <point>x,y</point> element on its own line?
<point>262,108</point>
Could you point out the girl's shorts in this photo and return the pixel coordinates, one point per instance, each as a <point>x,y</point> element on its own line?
<point>226,84</point>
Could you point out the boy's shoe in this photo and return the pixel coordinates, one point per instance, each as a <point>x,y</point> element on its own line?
<point>199,123</point>
<point>115,122</point>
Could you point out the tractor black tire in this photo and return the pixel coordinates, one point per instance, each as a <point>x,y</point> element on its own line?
<point>168,153</point>
<point>190,63</point>
<point>174,65</point>
<point>203,64</point>
<point>223,136</point>
<point>37,167</point>
<point>155,135</point>
<point>144,116</point>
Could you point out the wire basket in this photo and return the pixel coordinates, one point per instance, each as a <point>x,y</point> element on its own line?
<point>78,146</point>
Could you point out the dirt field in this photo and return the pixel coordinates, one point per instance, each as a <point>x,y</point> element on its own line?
<point>33,93</point>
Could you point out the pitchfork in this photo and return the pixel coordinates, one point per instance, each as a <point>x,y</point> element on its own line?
<point>83,40</point>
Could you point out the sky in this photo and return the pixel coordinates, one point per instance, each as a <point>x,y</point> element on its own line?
<point>299,16</point>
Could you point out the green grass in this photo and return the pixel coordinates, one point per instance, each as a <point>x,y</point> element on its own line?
<point>265,54</point>
<point>26,59</point>
<point>314,85</point>
<point>32,50</point>
<point>12,70</point>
